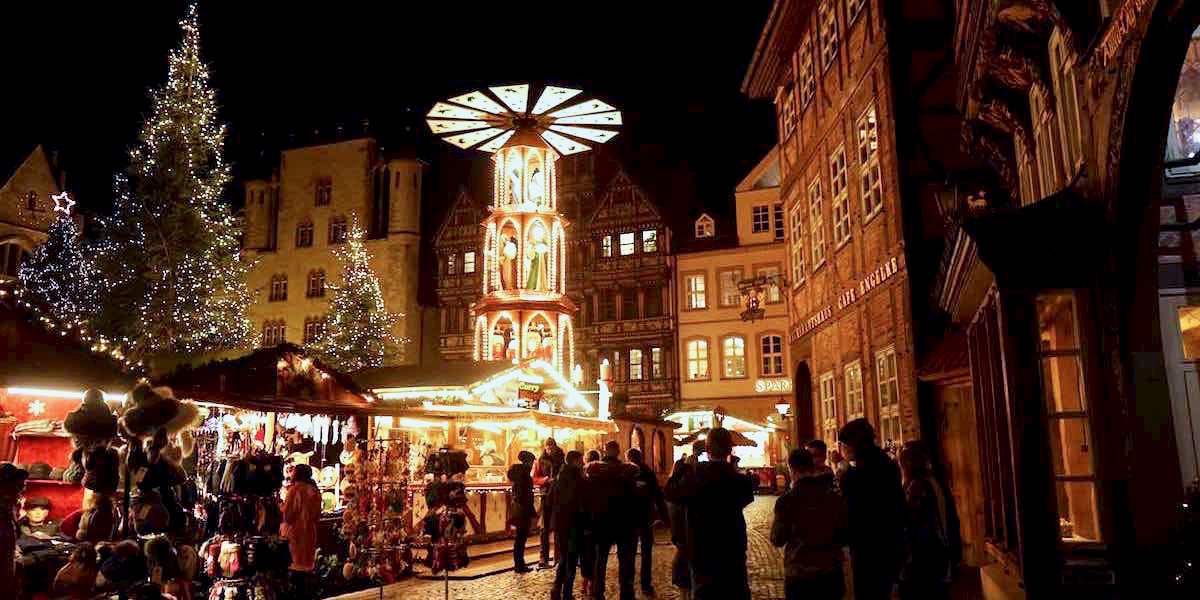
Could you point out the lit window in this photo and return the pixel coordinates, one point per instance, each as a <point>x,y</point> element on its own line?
<point>312,329</point>
<point>829,418</point>
<point>635,365</point>
<point>890,432</point>
<point>787,111</point>
<point>728,282</point>
<point>469,262</point>
<point>324,191</point>
<point>771,292</point>
<point>1065,398</point>
<point>868,163</point>
<point>273,333</point>
<point>656,363</point>
<point>705,228</point>
<point>760,219</point>
<point>606,246</point>
<point>650,240</point>
<point>696,292</point>
<point>452,264</point>
<point>816,224</point>
<point>797,245</point>
<point>1189,328</point>
<point>697,359</point>
<point>827,16</point>
<point>853,9</point>
<point>808,73</point>
<point>733,356</point>
<point>772,356</point>
<point>316,284</point>
<point>628,245</point>
<point>854,391</point>
<point>777,212</point>
<point>841,197</point>
<point>304,234</point>
<point>337,230</point>
<point>278,288</point>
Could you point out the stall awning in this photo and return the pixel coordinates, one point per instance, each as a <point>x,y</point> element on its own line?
<point>503,417</point>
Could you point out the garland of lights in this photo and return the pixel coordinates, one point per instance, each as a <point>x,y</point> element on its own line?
<point>60,274</point>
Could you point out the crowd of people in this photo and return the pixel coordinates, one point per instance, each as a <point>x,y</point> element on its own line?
<point>893,521</point>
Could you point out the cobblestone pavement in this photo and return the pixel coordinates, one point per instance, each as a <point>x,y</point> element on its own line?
<point>765,564</point>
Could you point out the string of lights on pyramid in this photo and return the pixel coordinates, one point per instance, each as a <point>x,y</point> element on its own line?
<point>486,120</point>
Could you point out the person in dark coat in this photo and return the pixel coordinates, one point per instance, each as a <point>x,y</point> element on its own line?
<point>810,524</point>
<point>568,515</point>
<point>649,509</point>
<point>875,507</point>
<point>681,576</point>
<point>544,473</point>
<point>714,495</point>
<point>523,509</point>
<point>587,553</point>
<point>929,536</point>
<point>610,490</point>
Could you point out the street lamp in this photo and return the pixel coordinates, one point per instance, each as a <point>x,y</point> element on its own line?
<point>783,408</point>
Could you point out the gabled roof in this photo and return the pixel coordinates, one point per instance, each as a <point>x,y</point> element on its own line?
<point>764,175</point>
<point>619,180</point>
<point>447,373</point>
<point>13,164</point>
<point>464,201</point>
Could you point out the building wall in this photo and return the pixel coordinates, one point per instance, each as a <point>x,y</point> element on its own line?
<point>844,310</point>
<point>459,249</point>
<point>26,210</point>
<point>353,170</point>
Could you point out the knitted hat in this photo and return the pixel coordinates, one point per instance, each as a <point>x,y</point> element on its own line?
<point>39,470</point>
<point>37,502</point>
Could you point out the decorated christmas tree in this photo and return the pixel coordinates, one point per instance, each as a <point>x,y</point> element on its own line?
<point>359,330</point>
<point>60,275</point>
<point>171,250</point>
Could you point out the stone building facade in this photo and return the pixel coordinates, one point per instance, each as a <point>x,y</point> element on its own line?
<point>26,208</point>
<point>458,244</point>
<point>296,218</point>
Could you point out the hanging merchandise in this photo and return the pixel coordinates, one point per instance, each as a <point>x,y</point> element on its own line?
<point>378,509</point>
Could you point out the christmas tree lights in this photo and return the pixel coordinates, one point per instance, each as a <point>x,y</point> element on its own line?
<point>359,330</point>
<point>171,251</point>
<point>60,274</point>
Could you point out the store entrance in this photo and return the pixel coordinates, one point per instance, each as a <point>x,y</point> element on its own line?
<point>804,428</point>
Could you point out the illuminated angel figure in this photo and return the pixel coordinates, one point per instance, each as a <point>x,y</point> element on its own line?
<point>514,182</point>
<point>536,277</point>
<point>536,188</point>
<point>508,263</point>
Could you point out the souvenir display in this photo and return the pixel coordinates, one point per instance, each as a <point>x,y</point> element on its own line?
<point>378,509</point>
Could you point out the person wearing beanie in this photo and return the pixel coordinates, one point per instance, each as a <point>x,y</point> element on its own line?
<point>301,512</point>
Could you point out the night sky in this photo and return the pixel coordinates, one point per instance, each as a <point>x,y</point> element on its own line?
<point>76,78</point>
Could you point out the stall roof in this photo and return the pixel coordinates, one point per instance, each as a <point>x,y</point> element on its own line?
<point>254,381</point>
<point>499,415</point>
<point>32,355</point>
<point>461,373</point>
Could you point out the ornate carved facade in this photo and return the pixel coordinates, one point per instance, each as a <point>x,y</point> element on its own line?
<point>457,245</point>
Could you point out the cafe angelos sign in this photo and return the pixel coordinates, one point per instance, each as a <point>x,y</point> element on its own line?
<point>885,271</point>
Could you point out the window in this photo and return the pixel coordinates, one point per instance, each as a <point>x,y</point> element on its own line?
<point>854,390</point>
<point>468,262</point>
<point>629,304</point>
<point>1062,76</point>
<point>890,433</point>
<point>841,197</point>
<point>727,280</point>
<point>733,356</point>
<point>787,111</point>
<point>771,294</point>
<point>808,73</point>
<point>316,284</point>
<point>31,202</point>
<point>777,212</point>
<point>635,365</point>
<point>656,363</point>
<point>606,246</point>
<point>816,225</point>
<point>628,245</point>
<point>760,219</point>
<point>868,163</point>
<point>337,230</point>
<point>324,189</point>
<point>1063,392</point>
<point>313,327</point>
<point>772,356</point>
<point>853,9</point>
<point>696,294</point>
<point>652,301</point>
<point>827,17</point>
<point>796,244</point>
<point>452,264</point>
<point>650,240</point>
<point>304,234</point>
<point>705,227</point>
<point>1045,136</point>
<point>278,288</point>
<point>697,359</point>
<point>273,333</point>
<point>608,305</point>
<point>829,419</point>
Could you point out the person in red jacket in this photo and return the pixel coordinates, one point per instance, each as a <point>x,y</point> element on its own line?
<point>301,513</point>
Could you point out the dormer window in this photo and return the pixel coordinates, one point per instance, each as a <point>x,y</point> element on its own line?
<point>705,227</point>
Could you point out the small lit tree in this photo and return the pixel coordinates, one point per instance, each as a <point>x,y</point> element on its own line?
<point>359,331</point>
<point>61,276</point>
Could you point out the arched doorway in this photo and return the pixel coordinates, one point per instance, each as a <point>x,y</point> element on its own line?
<point>802,408</point>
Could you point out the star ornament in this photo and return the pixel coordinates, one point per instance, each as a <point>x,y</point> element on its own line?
<point>37,408</point>
<point>63,203</point>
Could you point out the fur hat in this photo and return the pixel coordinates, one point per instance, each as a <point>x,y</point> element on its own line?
<point>161,559</point>
<point>39,470</point>
<point>187,417</point>
<point>121,563</point>
<point>92,420</point>
<point>149,410</point>
<point>101,470</point>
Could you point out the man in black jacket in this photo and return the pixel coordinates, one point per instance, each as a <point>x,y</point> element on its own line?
<point>523,509</point>
<point>610,489</point>
<point>714,494</point>
<point>875,508</point>
<point>648,510</point>
<point>544,473</point>
<point>569,521</point>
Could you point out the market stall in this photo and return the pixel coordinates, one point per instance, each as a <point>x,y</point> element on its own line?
<point>757,445</point>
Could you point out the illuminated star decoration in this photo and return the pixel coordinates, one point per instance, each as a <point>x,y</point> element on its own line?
<point>36,408</point>
<point>63,203</point>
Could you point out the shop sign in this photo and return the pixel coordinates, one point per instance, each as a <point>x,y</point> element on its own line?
<point>529,394</point>
<point>776,385</point>
<point>1119,28</point>
<point>874,279</point>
